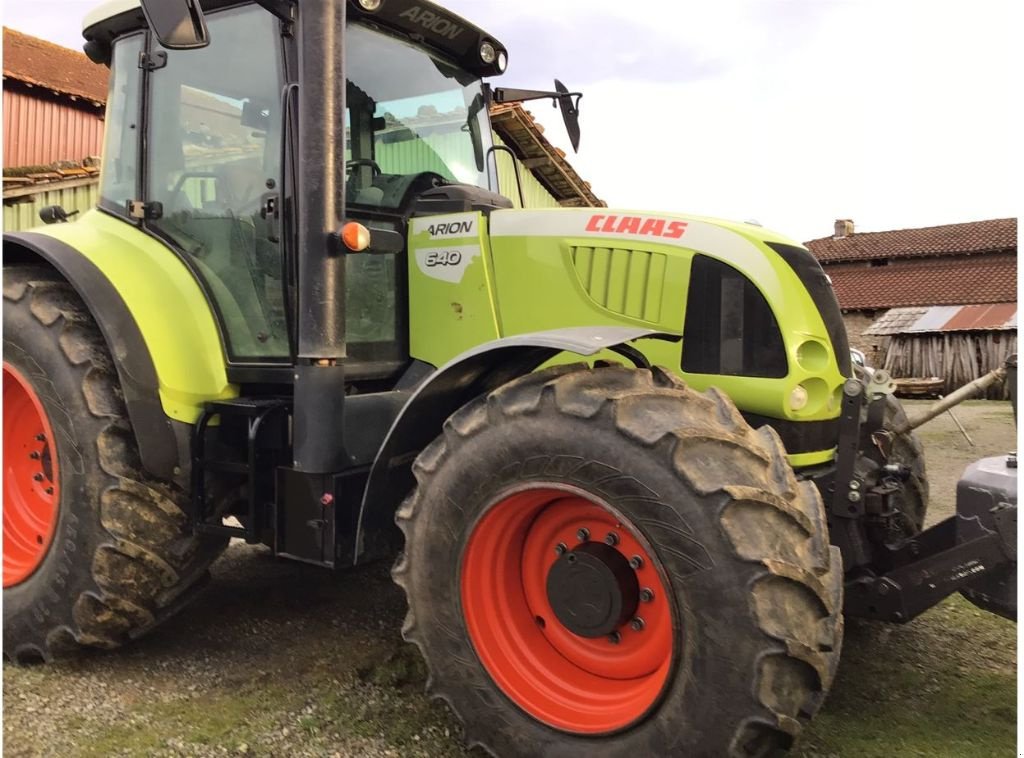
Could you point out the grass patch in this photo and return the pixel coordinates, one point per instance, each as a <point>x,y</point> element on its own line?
<point>211,718</point>
<point>945,685</point>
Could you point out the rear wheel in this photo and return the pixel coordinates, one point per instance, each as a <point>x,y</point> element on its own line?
<point>604,561</point>
<point>95,552</point>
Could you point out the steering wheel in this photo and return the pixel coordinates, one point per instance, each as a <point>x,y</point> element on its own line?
<point>349,165</point>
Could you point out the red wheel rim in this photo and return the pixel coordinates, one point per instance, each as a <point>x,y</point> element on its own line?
<point>577,684</point>
<point>31,479</point>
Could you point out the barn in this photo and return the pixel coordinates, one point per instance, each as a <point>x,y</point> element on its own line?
<point>935,302</point>
<point>53,103</point>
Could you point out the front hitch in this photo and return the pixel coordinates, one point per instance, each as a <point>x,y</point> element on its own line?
<point>973,552</point>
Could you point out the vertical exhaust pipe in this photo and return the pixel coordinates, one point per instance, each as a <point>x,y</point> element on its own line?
<point>320,370</point>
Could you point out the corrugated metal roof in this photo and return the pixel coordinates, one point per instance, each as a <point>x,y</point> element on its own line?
<point>896,321</point>
<point>971,317</point>
<point>946,318</point>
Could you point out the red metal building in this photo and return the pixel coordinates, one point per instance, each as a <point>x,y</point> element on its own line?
<point>52,102</point>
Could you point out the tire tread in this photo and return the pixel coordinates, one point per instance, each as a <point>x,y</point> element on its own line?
<point>147,560</point>
<point>800,582</point>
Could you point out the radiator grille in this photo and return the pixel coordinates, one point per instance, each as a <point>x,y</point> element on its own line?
<point>628,282</point>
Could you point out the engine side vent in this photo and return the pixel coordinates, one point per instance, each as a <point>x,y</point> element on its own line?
<point>628,282</point>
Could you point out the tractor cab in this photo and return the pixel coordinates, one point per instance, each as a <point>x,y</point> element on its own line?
<point>203,153</point>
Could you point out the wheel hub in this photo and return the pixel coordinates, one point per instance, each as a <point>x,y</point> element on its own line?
<point>30,479</point>
<point>592,590</point>
<point>581,639</point>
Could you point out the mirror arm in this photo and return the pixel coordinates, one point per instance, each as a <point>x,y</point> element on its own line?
<point>508,95</point>
<point>282,9</point>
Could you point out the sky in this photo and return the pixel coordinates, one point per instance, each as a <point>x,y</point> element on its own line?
<point>791,113</point>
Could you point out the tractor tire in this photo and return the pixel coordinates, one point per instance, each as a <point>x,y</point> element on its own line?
<point>95,552</point>
<point>604,562</point>
<point>908,451</point>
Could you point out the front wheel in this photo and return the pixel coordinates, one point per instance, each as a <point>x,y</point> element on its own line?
<point>605,561</point>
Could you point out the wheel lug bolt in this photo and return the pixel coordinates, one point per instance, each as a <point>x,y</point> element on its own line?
<point>34,455</point>
<point>583,534</point>
<point>49,490</point>
<point>37,477</point>
<point>40,438</point>
<point>638,624</point>
<point>646,595</point>
<point>615,638</point>
<point>560,549</point>
<point>612,539</point>
<point>636,563</point>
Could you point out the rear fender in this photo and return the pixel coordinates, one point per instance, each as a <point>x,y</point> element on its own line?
<point>474,373</point>
<point>158,443</point>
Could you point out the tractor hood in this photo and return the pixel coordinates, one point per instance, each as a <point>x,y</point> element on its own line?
<point>742,242</point>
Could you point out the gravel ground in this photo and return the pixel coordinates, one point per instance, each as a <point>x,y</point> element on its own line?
<point>277,658</point>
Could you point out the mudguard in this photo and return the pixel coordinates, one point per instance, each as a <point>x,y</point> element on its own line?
<point>158,443</point>
<point>475,372</point>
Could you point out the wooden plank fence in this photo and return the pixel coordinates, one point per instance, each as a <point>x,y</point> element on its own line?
<point>956,357</point>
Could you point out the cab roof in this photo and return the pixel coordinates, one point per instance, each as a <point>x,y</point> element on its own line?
<point>421,21</point>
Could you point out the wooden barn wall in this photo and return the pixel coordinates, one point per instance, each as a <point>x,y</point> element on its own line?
<point>957,357</point>
<point>41,129</point>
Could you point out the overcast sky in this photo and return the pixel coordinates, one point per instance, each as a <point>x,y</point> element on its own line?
<point>794,113</point>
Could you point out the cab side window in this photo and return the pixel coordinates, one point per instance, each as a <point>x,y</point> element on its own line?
<point>215,147</point>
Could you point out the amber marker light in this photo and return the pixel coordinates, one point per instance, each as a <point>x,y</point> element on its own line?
<point>355,236</point>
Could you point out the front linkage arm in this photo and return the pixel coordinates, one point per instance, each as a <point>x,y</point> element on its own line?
<point>969,551</point>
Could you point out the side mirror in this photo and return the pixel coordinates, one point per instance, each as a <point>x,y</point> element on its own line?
<point>177,24</point>
<point>54,214</point>
<point>570,113</point>
<point>568,101</point>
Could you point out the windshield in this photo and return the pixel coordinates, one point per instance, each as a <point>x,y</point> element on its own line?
<point>408,113</point>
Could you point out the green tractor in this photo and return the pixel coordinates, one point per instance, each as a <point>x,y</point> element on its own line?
<point>623,456</point>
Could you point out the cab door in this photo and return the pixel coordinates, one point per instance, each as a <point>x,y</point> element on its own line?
<point>213,170</point>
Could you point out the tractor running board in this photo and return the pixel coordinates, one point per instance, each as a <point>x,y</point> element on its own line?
<point>951,556</point>
<point>245,425</point>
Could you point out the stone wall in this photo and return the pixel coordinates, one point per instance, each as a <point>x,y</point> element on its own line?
<point>872,346</point>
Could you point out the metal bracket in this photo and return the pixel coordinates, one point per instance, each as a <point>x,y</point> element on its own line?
<point>928,568</point>
<point>632,354</point>
<point>847,498</point>
<point>152,61</point>
<point>140,209</point>
<point>880,383</point>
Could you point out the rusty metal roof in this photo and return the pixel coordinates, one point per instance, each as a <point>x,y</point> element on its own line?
<point>946,318</point>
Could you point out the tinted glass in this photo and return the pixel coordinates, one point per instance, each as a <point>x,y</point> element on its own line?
<point>121,142</point>
<point>215,147</point>
<point>408,113</point>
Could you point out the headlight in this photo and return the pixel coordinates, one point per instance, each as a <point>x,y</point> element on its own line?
<point>798,398</point>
